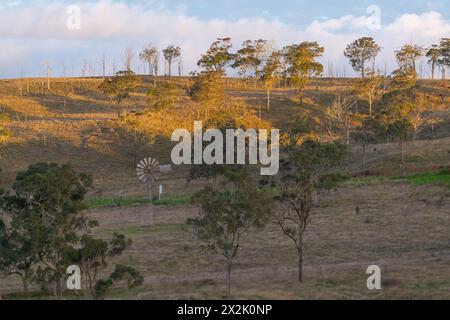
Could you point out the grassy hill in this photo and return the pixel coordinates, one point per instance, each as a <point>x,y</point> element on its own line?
<point>403,224</point>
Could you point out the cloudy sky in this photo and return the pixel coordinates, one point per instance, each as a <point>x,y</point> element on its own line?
<point>33,32</point>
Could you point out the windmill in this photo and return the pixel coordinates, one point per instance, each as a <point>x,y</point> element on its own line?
<point>148,171</point>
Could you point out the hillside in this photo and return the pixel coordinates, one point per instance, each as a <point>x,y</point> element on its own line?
<point>401,223</point>
<point>48,127</point>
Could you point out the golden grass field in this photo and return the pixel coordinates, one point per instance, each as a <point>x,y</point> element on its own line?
<point>402,227</point>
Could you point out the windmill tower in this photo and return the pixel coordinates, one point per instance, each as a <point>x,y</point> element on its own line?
<point>148,172</point>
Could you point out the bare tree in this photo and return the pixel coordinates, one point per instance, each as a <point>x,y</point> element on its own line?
<point>104,65</point>
<point>48,73</point>
<point>369,88</point>
<point>128,57</point>
<point>341,115</point>
<point>180,66</point>
<point>84,68</point>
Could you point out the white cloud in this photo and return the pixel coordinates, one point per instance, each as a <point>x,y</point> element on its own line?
<point>111,26</point>
<point>420,27</point>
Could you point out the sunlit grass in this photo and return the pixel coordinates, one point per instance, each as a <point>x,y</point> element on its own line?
<point>132,231</point>
<point>439,178</point>
<point>136,201</point>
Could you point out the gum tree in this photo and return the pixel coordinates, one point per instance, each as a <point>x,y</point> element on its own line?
<point>52,198</point>
<point>433,54</point>
<point>360,52</point>
<point>171,53</point>
<point>92,256</point>
<point>120,86</point>
<point>408,55</point>
<point>150,55</point>
<point>43,232</point>
<point>300,175</point>
<point>229,214</point>
<point>218,56</point>
<point>271,74</point>
<point>19,253</point>
<point>302,64</point>
<point>444,61</point>
<point>245,58</point>
<point>208,90</point>
<point>406,75</point>
<point>162,99</point>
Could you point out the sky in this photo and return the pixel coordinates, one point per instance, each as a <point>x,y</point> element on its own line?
<point>70,34</point>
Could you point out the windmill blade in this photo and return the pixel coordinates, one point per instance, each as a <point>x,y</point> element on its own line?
<point>148,170</point>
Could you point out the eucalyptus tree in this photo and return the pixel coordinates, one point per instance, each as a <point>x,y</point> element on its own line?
<point>271,74</point>
<point>433,54</point>
<point>406,75</point>
<point>217,57</point>
<point>361,52</point>
<point>408,54</point>
<point>302,64</point>
<point>302,168</point>
<point>150,55</point>
<point>171,53</point>
<point>245,58</point>
<point>46,212</point>
<point>228,214</point>
<point>444,61</point>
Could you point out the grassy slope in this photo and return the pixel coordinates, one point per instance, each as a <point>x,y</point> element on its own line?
<point>403,227</point>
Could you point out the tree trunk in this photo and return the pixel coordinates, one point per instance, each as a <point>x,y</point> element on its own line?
<point>229,266</point>
<point>268,100</point>
<point>402,153</point>
<point>58,288</point>
<point>25,283</point>
<point>300,256</point>
<point>364,154</point>
<point>347,134</point>
<point>149,190</point>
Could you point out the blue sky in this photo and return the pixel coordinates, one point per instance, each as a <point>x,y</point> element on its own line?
<point>34,31</point>
<point>301,12</point>
<point>295,12</point>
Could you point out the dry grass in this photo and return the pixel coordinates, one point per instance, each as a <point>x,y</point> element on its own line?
<point>403,228</point>
<point>396,229</point>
